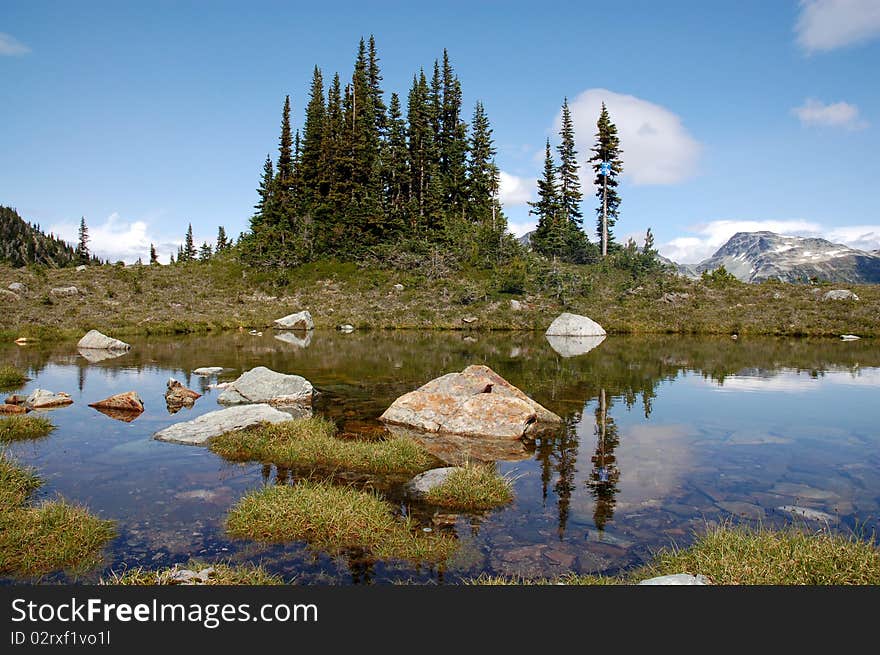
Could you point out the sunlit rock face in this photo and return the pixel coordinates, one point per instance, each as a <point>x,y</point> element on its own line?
<point>574,325</point>
<point>212,424</point>
<point>263,385</point>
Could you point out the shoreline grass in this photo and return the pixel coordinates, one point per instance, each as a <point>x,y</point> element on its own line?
<point>312,442</point>
<point>11,378</point>
<point>472,487</point>
<point>221,574</point>
<point>22,428</point>
<point>334,519</point>
<point>52,536</point>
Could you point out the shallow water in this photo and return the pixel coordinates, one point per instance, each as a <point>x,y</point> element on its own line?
<point>663,435</point>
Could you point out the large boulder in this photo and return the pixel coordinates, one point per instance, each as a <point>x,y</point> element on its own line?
<point>178,396</point>
<point>199,430</point>
<point>94,340</point>
<point>476,402</point>
<point>129,401</point>
<point>297,321</point>
<point>840,294</point>
<point>43,399</point>
<point>573,325</point>
<point>573,346</point>
<point>263,385</point>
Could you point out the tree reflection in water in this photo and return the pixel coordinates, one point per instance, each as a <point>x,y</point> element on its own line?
<point>604,474</point>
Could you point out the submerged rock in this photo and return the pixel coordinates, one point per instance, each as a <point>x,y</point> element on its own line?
<point>12,409</point>
<point>573,346</point>
<point>573,325</point>
<point>263,385</point>
<point>129,401</point>
<point>298,321</point>
<point>476,402</point>
<point>44,399</point>
<point>94,340</point>
<point>677,579</point>
<point>212,424</point>
<point>840,294</point>
<point>208,370</point>
<point>807,513</point>
<point>425,482</point>
<point>177,396</point>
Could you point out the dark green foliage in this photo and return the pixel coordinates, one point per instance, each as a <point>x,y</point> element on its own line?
<point>205,252</point>
<point>607,149</point>
<point>188,251</point>
<point>570,195</point>
<point>223,244</point>
<point>82,247</point>
<point>154,258</point>
<point>720,278</point>
<point>22,243</point>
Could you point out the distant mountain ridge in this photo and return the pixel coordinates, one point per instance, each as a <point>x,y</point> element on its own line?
<point>759,256</point>
<point>22,243</point>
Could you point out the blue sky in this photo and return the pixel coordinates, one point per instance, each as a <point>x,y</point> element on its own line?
<point>143,117</point>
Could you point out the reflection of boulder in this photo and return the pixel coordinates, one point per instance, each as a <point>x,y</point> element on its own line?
<point>263,385</point>
<point>573,325</point>
<point>95,355</point>
<point>124,415</point>
<point>457,450</point>
<point>476,402</point>
<point>573,346</point>
<point>300,338</point>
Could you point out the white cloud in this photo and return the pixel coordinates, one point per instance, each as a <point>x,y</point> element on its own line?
<point>515,190</point>
<point>828,24</point>
<point>713,235</point>
<point>117,239</point>
<point>839,114</point>
<point>657,149</point>
<point>11,47</point>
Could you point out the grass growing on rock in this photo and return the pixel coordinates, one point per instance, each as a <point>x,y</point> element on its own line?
<point>742,555</point>
<point>11,377</point>
<point>35,540</point>
<point>222,574</point>
<point>334,519</point>
<point>312,442</point>
<point>472,487</point>
<point>21,428</point>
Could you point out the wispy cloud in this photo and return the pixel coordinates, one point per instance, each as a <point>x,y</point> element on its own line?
<point>12,47</point>
<point>515,190</point>
<point>657,149</point>
<point>824,25</point>
<point>839,114</point>
<point>707,238</point>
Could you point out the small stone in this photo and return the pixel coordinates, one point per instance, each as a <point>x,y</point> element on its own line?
<point>398,287</point>
<point>677,579</point>
<point>18,287</point>
<point>515,305</point>
<point>345,328</point>
<point>9,296</point>
<point>469,319</point>
<point>840,294</point>
<point>64,291</point>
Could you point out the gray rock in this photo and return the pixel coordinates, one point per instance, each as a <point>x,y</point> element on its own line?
<point>677,579</point>
<point>297,321</point>
<point>573,346</point>
<point>9,296</point>
<point>263,385</point>
<point>94,340</point>
<point>18,287</point>
<point>840,294</point>
<point>424,482</point>
<point>212,424</point>
<point>190,577</point>
<point>44,399</point>
<point>515,305</point>
<point>346,328</point>
<point>64,291</point>
<point>573,325</point>
<point>80,268</point>
<point>398,287</point>
<point>469,319</point>
<point>807,513</point>
<point>208,370</point>
<point>849,337</point>
<point>673,298</point>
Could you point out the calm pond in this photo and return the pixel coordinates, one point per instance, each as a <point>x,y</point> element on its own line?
<point>663,434</point>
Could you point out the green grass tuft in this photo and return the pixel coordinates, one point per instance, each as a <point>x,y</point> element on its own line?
<point>223,574</point>
<point>311,442</point>
<point>11,377</point>
<point>21,428</point>
<point>334,519</point>
<point>472,487</point>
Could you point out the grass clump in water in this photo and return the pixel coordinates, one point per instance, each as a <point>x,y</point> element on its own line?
<point>472,487</point>
<point>11,377</point>
<point>218,574</point>
<point>35,540</point>
<point>334,519</point>
<point>21,428</point>
<point>312,442</point>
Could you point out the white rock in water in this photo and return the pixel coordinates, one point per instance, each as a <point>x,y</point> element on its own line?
<point>97,341</point>
<point>574,346</point>
<point>677,579</point>
<point>849,337</point>
<point>297,321</point>
<point>573,325</point>
<point>346,328</point>
<point>212,424</point>
<point>263,385</point>
<point>44,399</point>
<point>208,370</point>
<point>424,482</point>
<point>807,513</point>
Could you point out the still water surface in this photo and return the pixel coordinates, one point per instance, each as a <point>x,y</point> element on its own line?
<point>663,434</point>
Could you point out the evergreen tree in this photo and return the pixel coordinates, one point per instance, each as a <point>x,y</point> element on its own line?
<point>396,172</point>
<point>82,247</point>
<point>482,173</point>
<point>375,80</point>
<point>549,236</point>
<point>570,195</point>
<point>181,255</point>
<point>313,133</point>
<point>453,144</point>
<point>607,149</point>
<point>425,198</point>
<point>171,259</point>
<point>222,242</point>
<point>205,252</point>
<point>284,171</point>
<point>189,248</point>
<point>154,258</point>
<point>265,205</point>
<point>648,248</point>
